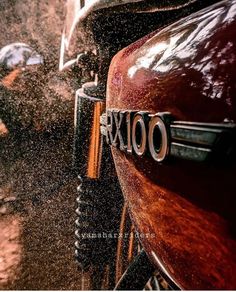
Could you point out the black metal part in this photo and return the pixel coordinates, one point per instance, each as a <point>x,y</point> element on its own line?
<point>137,274</point>
<point>84,114</point>
<point>84,224</point>
<point>99,194</point>
<point>98,214</point>
<point>88,61</point>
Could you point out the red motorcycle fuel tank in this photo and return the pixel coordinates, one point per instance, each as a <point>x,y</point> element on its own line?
<point>183,207</point>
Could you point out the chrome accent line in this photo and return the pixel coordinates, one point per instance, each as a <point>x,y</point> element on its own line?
<point>192,134</point>
<point>189,152</point>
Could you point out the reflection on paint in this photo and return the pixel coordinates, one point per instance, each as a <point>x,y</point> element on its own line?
<point>178,47</point>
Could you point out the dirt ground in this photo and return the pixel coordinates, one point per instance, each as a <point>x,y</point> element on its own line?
<point>37,199</point>
<point>37,214</point>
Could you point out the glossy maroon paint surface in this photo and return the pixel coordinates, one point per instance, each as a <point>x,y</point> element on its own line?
<point>188,69</point>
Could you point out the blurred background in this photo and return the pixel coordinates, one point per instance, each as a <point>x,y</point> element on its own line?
<point>36,135</point>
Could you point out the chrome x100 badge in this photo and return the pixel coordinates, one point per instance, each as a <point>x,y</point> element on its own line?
<point>160,136</point>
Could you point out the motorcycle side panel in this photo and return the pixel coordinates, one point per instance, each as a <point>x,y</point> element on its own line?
<point>183,210</point>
